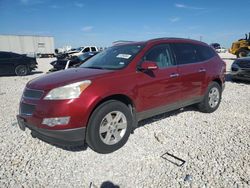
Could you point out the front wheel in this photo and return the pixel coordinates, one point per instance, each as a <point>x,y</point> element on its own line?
<point>242,53</point>
<point>109,127</point>
<point>212,98</point>
<point>21,70</point>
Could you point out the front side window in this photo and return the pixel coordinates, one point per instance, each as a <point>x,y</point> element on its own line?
<point>115,57</point>
<point>86,49</point>
<point>161,55</point>
<point>185,53</point>
<point>5,55</point>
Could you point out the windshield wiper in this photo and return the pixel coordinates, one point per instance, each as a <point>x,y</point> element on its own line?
<point>93,67</point>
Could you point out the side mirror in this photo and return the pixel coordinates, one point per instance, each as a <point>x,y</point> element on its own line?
<point>149,65</point>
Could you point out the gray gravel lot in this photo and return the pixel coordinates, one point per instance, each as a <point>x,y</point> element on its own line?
<point>216,148</point>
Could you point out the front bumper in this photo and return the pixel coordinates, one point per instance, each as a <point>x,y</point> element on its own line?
<point>241,74</point>
<point>65,137</point>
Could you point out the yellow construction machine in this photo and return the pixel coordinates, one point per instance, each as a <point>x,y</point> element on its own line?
<point>241,47</point>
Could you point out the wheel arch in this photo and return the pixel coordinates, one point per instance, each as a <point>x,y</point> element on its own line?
<point>217,80</point>
<point>121,98</point>
<point>242,49</point>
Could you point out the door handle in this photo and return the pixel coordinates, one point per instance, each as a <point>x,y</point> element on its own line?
<point>174,75</point>
<point>202,70</point>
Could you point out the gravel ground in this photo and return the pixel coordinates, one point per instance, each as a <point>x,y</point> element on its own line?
<point>216,148</point>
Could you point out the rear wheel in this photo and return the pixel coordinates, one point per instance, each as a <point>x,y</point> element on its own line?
<point>212,98</point>
<point>109,127</point>
<point>21,70</point>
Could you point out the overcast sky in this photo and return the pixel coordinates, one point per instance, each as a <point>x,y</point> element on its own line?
<point>93,22</point>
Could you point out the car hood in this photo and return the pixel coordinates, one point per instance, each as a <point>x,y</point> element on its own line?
<point>61,78</point>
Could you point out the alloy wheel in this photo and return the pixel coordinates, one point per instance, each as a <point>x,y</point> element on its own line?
<point>113,127</point>
<point>213,97</point>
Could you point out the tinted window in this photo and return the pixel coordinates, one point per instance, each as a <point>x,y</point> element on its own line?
<point>161,55</point>
<point>93,49</point>
<point>205,52</point>
<point>5,55</point>
<point>186,53</point>
<point>86,49</point>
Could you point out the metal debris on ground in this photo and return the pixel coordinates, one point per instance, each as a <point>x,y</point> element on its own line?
<point>173,159</point>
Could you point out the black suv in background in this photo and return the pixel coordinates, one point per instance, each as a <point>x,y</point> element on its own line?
<point>13,63</point>
<point>240,69</point>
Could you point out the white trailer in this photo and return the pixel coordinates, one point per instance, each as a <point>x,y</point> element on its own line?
<point>28,44</point>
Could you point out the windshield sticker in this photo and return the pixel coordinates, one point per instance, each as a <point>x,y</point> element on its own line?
<point>121,63</point>
<point>124,56</point>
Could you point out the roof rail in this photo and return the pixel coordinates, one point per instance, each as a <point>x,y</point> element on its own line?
<point>121,41</point>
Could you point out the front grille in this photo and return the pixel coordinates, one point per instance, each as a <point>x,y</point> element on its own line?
<point>244,65</point>
<point>32,94</point>
<point>27,109</point>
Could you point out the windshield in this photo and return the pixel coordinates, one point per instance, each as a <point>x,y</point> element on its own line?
<point>115,57</point>
<point>79,49</point>
<point>85,56</point>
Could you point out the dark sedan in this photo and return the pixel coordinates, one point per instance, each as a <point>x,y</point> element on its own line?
<point>75,61</point>
<point>240,69</point>
<point>13,63</point>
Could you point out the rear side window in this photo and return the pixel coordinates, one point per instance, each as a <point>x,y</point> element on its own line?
<point>205,52</point>
<point>93,49</point>
<point>161,55</point>
<point>186,53</point>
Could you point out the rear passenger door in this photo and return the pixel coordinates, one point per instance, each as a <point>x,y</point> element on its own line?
<point>158,88</point>
<point>192,70</point>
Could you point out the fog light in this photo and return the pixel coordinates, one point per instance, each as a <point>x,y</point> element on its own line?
<point>51,122</point>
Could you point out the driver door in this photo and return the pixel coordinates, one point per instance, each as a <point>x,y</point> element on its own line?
<point>158,89</point>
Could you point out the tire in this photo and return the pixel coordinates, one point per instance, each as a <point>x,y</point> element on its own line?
<point>212,98</point>
<point>21,70</point>
<point>105,133</point>
<point>242,53</point>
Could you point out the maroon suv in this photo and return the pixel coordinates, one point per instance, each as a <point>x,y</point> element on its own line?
<point>102,101</point>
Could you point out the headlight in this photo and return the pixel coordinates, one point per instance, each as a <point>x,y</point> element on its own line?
<point>235,67</point>
<point>70,91</point>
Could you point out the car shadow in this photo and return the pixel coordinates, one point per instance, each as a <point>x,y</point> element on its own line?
<point>71,148</point>
<point>35,72</point>
<point>141,123</point>
<point>32,73</point>
<point>229,79</point>
<point>166,115</point>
